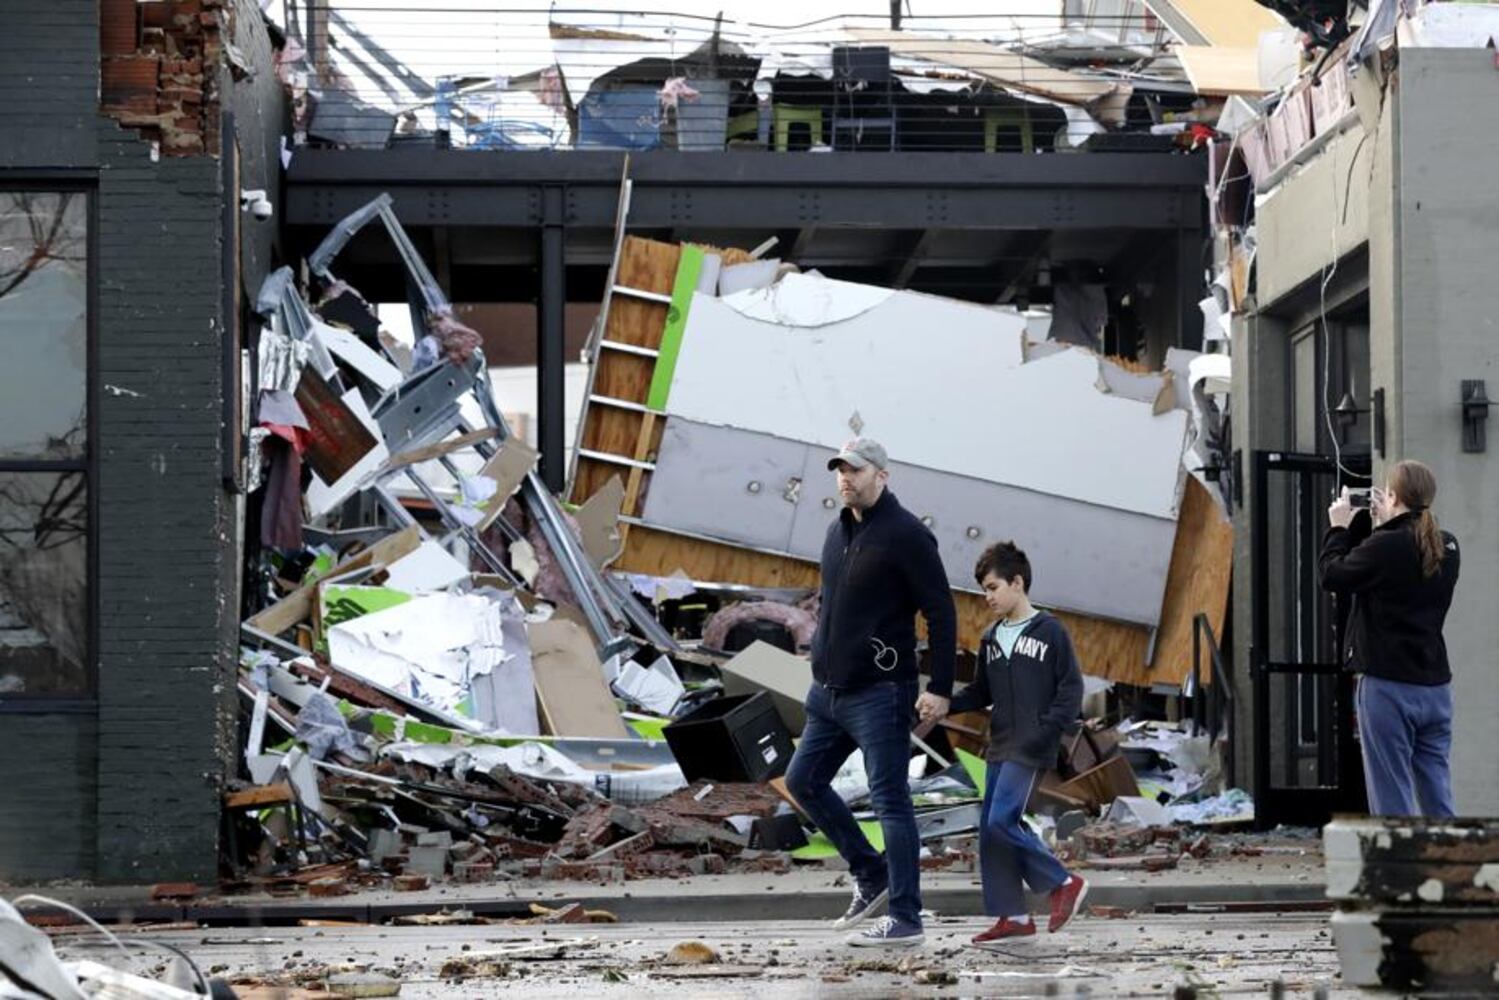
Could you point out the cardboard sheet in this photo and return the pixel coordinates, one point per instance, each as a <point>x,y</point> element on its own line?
<point>763,667</point>
<point>507,469</point>
<point>324,496</point>
<point>575,701</point>
<point>598,524</point>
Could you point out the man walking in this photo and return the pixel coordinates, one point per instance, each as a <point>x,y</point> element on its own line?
<point>880,567</point>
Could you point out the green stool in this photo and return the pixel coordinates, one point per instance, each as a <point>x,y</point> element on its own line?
<point>997,118</point>
<point>745,125</point>
<point>786,115</point>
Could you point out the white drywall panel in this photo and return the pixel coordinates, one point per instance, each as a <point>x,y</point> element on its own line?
<point>942,385</point>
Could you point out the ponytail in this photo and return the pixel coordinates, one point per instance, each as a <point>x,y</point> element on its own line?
<point>1415,486</point>
<point>1429,543</point>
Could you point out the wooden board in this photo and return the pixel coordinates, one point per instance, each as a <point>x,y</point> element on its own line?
<point>570,688</point>
<point>260,795</point>
<point>441,448</point>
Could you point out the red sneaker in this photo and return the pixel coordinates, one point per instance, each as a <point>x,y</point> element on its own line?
<point>1004,927</point>
<point>1066,900</point>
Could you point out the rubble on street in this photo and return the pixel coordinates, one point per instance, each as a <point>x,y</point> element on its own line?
<point>444,679</point>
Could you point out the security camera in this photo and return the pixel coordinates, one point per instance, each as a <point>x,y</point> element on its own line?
<point>256,203</point>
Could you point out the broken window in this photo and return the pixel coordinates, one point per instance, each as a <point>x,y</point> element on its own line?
<point>44,595</point>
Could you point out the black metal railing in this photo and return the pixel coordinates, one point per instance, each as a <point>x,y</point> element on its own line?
<point>1212,703</point>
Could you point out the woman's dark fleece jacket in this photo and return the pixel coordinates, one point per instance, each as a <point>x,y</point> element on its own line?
<point>1395,628</point>
<point>1037,692</point>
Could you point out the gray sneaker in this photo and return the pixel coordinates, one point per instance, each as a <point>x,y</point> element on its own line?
<point>887,932</point>
<point>861,908</point>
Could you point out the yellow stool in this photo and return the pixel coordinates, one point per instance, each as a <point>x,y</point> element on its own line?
<point>997,118</point>
<point>786,115</point>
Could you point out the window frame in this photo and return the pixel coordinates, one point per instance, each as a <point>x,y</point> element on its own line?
<point>84,702</point>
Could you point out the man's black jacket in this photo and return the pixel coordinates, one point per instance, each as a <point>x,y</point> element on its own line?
<point>876,575</point>
<point>1395,627</point>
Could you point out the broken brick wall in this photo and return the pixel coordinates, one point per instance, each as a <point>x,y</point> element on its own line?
<point>125,786</point>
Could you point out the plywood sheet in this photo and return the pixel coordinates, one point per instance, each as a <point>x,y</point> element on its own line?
<point>967,371</point>
<point>1201,569</point>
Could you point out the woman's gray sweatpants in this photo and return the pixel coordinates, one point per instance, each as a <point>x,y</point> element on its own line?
<point>1406,732</point>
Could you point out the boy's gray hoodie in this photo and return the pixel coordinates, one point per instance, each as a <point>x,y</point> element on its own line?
<point>1037,692</point>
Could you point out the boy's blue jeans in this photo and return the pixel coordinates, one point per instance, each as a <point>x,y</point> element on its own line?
<point>877,720</point>
<point>1009,853</point>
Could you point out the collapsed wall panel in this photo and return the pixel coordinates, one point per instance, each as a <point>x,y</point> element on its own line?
<point>942,384</point>
<point>769,493</point>
<point>612,436</point>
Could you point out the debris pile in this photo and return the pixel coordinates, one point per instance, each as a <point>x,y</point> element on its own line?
<point>444,676</point>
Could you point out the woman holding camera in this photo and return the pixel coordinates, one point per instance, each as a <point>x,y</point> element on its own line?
<point>1400,569</point>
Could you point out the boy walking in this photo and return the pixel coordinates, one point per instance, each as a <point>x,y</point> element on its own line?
<point>1029,674</point>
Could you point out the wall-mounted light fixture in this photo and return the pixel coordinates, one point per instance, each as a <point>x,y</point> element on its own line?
<point>1475,400</point>
<point>1347,412</point>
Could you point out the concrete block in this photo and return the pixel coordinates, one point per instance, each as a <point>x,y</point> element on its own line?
<point>428,859</point>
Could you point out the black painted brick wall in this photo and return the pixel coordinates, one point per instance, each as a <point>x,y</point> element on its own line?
<point>132,795</point>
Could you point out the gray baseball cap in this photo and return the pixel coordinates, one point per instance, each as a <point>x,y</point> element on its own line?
<point>859,453</point>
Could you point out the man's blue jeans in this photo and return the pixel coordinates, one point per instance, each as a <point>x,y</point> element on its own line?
<point>876,720</point>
